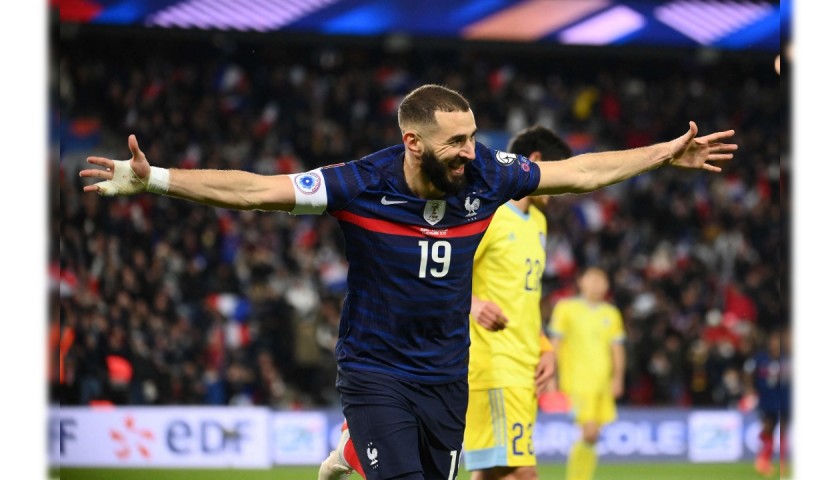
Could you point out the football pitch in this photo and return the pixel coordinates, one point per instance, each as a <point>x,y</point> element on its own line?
<point>635,471</point>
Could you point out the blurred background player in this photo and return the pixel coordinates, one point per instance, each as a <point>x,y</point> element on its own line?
<point>767,377</point>
<point>588,336</point>
<point>511,359</point>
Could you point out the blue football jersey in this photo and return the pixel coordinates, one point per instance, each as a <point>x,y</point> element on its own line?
<point>410,260</point>
<point>772,381</point>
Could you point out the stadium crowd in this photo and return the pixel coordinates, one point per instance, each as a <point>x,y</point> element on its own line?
<point>241,307</point>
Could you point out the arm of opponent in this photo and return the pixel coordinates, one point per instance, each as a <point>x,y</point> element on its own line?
<point>488,314</point>
<point>235,189</point>
<point>553,385</point>
<point>591,171</point>
<point>546,365</point>
<point>619,362</point>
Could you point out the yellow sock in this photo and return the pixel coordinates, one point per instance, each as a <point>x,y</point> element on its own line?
<point>582,461</point>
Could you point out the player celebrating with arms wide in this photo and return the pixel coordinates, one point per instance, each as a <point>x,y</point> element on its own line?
<point>412,217</point>
<point>511,360</point>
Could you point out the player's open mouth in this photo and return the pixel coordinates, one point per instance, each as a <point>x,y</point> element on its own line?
<point>457,166</point>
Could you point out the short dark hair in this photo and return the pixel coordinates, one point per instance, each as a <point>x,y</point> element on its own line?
<point>539,139</point>
<point>420,105</point>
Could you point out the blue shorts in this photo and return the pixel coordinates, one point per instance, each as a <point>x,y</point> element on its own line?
<point>400,427</point>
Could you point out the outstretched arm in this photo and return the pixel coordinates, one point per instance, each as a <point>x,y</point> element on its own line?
<point>591,171</point>
<point>235,189</point>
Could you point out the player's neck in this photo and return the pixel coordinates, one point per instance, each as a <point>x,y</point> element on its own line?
<point>592,302</point>
<point>522,204</point>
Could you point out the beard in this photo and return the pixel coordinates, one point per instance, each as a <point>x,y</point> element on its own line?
<point>438,173</point>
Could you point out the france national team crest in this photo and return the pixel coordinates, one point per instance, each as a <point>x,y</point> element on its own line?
<point>372,454</point>
<point>433,213</point>
<point>505,158</point>
<point>471,206</point>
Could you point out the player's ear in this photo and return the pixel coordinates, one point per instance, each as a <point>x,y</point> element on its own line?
<point>413,142</point>
<point>535,156</point>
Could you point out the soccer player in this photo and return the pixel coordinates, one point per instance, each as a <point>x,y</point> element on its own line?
<point>412,216</point>
<point>511,360</point>
<point>767,376</point>
<point>588,336</point>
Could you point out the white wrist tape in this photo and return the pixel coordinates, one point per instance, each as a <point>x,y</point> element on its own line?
<point>158,180</point>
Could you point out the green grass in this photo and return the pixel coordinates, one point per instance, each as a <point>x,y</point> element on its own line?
<point>645,471</point>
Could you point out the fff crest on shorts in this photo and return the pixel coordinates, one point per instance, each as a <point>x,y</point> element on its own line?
<point>433,213</point>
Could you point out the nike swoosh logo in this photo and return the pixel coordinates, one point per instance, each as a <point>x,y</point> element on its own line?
<point>385,201</point>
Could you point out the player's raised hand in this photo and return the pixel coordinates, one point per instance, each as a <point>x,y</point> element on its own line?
<point>119,177</point>
<point>691,151</point>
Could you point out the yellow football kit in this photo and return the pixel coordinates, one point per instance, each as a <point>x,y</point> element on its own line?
<point>502,407</point>
<point>585,357</point>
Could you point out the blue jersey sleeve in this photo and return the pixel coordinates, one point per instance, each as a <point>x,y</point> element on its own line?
<point>345,181</point>
<point>514,175</point>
